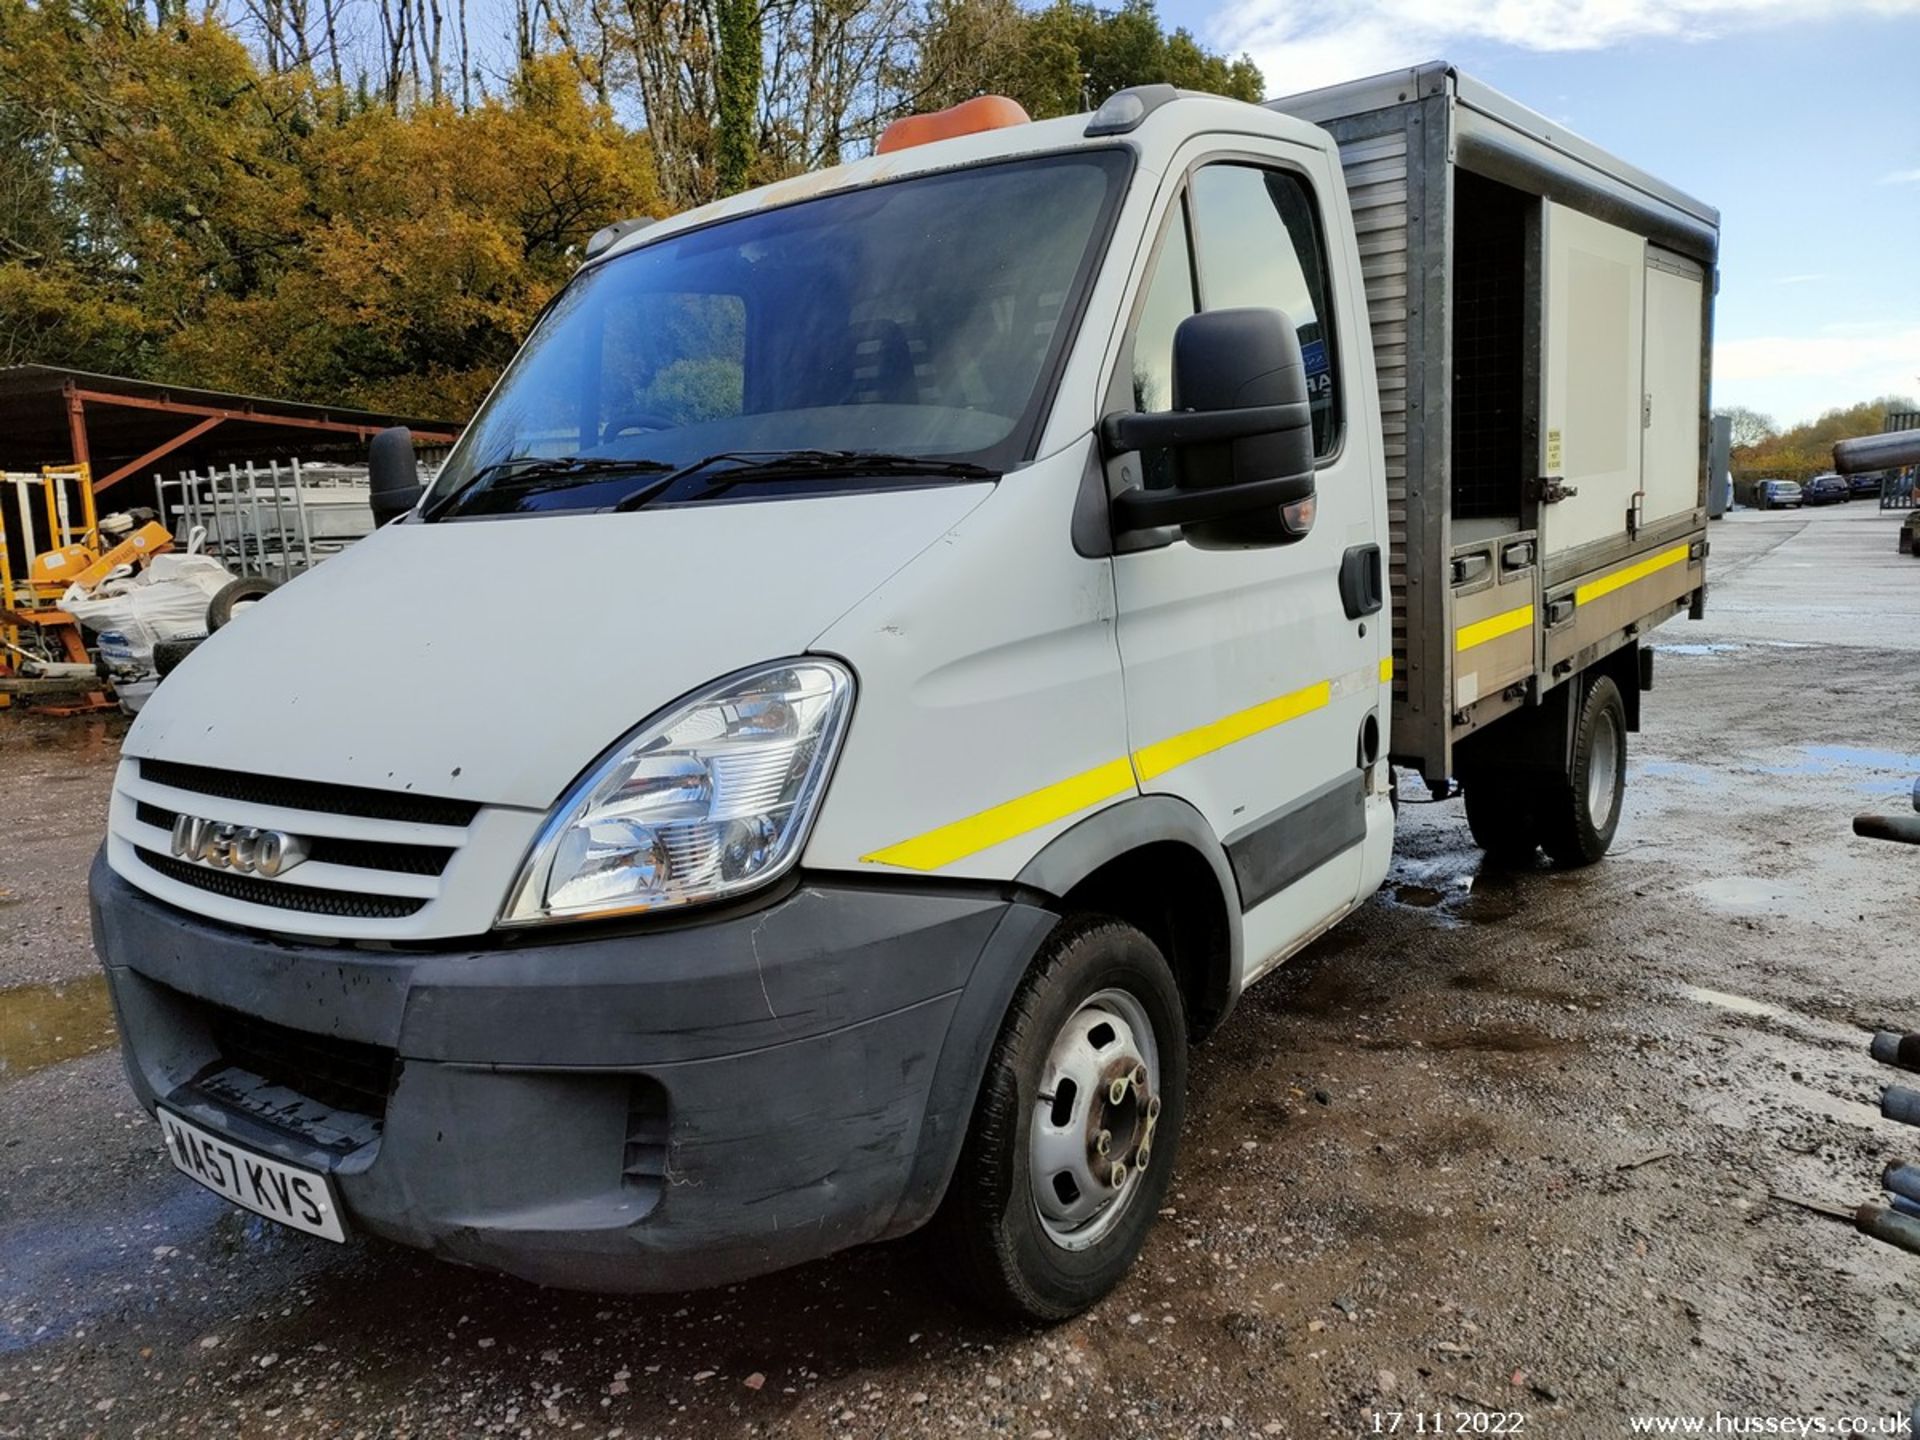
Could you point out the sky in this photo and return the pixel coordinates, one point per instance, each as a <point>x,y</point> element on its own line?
<point>1798,119</point>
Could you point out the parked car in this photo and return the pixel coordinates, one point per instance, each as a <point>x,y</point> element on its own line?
<point>1776,495</point>
<point>1826,489</point>
<point>1866,486</point>
<point>991,666</point>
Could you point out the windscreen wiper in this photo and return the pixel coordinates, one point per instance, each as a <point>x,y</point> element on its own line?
<point>525,470</point>
<point>756,465</point>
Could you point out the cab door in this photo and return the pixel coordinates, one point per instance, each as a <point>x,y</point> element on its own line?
<point>1250,689</point>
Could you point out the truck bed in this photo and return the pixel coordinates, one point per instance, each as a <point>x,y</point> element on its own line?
<point>1542,321</point>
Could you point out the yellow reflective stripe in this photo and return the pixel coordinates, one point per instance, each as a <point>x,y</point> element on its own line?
<point>1054,802</point>
<point>1492,628</point>
<point>1165,755</point>
<point>1005,821</point>
<point>1620,579</point>
<point>1386,670</point>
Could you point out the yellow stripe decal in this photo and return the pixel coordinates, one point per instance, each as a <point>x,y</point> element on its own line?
<point>1492,628</point>
<point>1386,670</point>
<point>1620,579</point>
<point>1159,758</point>
<point>1005,821</point>
<point>1043,807</point>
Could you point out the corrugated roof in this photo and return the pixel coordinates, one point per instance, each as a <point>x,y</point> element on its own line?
<point>34,425</point>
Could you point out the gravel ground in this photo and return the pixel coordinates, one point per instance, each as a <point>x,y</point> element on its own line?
<point>1503,1143</point>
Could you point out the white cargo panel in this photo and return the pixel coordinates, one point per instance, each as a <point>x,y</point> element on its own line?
<point>1591,349</point>
<point>1670,442</point>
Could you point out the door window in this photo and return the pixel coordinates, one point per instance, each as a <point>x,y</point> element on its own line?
<point>1258,243</point>
<point>1168,299</point>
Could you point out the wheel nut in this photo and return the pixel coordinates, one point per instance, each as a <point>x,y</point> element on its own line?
<point>1140,1079</point>
<point>1153,1108</point>
<point>1103,1142</point>
<point>1117,1176</point>
<point>1142,1156</point>
<point>1117,1091</point>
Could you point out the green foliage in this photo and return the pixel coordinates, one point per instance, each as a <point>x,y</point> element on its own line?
<point>1807,450</point>
<point>691,390</point>
<point>737,83</point>
<point>1069,56</point>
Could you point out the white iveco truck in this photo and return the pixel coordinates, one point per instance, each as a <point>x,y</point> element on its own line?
<point>899,651</point>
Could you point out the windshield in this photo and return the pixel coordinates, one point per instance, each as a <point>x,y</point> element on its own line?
<point>923,317</point>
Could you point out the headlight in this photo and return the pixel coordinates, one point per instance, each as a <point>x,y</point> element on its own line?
<point>711,799</point>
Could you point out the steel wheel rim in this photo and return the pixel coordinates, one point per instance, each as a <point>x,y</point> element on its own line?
<point>1602,766</point>
<point>1102,1074</point>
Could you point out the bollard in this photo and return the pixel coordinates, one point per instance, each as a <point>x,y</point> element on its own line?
<point>1890,1047</point>
<point>1899,1103</point>
<point>1901,1231</point>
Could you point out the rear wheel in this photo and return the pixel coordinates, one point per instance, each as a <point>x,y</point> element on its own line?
<point>1075,1132</point>
<point>1503,816</point>
<point>1580,811</point>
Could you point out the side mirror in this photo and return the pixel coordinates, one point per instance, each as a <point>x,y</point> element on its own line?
<point>393,474</point>
<point>1241,429</point>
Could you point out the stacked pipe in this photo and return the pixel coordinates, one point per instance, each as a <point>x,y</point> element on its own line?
<point>1890,451</point>
<point>1897,1222</point>
<point>1902,828</point>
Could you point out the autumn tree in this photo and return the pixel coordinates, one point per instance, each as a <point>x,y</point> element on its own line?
<point>339,200</point>
<point>203,221</point>
<point>1807,449</point>
<point>1749,427</point>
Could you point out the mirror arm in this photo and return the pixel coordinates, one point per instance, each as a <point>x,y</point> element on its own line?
<point>1140,509</point>
<point>1131,430</point>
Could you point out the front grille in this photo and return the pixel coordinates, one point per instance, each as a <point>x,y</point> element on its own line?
<point>321,796</point>
<point>340,1074</point>
<point>282,894</point>
<point>333,850</point>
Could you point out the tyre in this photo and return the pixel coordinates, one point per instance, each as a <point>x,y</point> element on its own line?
<point>1580,811</point>
<point>1503,815</point>
<point>1076,1128</point>
<point>233,597</point>
<point>167,654</point>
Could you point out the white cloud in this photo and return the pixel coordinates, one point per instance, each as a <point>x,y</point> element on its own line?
<point>1796,377</point>
<point>1901,177</point>
<point>1301,44</point>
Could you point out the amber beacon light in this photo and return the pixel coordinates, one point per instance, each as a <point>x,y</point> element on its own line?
<point>969,117</point>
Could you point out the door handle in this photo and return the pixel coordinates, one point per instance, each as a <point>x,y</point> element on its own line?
<point>1360,589</point>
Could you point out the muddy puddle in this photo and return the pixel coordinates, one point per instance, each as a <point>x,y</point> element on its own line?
<point>42,1025</point>
<point>1458,889</point>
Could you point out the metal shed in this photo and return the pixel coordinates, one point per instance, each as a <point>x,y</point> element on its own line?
<point>120,428</point>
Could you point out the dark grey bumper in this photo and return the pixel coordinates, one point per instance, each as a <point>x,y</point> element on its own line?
<point>645,1111</point>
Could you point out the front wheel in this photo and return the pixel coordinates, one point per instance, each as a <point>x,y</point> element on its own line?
<point>1075,1132</point>
<point>1580,811</point>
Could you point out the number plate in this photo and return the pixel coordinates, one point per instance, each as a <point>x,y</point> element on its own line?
<point>300,1199</point>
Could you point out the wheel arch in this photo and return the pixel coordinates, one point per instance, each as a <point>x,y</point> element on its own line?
<point>1154,862</point>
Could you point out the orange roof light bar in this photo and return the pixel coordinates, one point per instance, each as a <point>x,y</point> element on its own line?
<point>969,117</point>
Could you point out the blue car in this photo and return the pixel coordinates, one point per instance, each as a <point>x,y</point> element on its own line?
<point>1826,489</point>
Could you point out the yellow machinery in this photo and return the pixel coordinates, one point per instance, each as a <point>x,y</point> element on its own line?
<point>33,627</point>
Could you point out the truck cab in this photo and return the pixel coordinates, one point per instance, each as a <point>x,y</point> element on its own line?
<point>897,653</point>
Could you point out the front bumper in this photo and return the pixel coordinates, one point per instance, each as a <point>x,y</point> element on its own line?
<point>656,1110</point>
